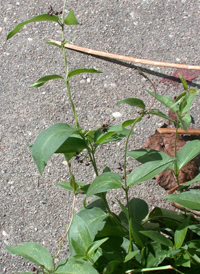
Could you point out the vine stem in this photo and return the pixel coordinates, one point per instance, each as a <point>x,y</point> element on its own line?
<point>68,228</point>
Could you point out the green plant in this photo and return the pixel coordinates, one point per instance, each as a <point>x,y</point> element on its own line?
<point>136,240</point>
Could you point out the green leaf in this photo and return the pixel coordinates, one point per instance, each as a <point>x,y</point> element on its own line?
<point>74,143</point>
<point>134,102</point>
<point>83,187</point>
<point>94,246</point>
<point>112,229</point>
<point>183,259</point>
<point>138,209</point>
<point>42,17</point>
<point>195,228</point>
<point>157,237</point>
<point>40,82</point>
<point>79,237</point>
<point>187,153</point>
<point>160,114</point>
<point>83,70</point>
<point>106,169</point>
<point>181,232</point>
<point>49,141</point>
<point>70,19</point>
<point>184,83</point>
<point>135,229</point>
<point>147,171</point>
<point>34,253</point>
<point>131,255</point>
<point>95,218</point>
<point>130,122</point>
<point>196,179</point>
<point>147,155</point>
<point>155,253</point>
<point>114,133</point>
<point>194,91</point>
<point>165,100</point>
<point>185,120</point>
<point>74,266</point>
<point>52,43</point>
<point>189,101</point>
<point>188,199</point>
<point>104,182</point>
<point>111,267</point>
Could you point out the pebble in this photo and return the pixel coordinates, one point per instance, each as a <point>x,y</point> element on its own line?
<point>116,114</point>
<point>82,81</point>
<point>88,80</point>
<point>65,163</point>
<point>1,29</point>
<point>5,234</point>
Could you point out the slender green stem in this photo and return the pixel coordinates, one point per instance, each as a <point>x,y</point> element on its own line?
<point>125,179</point>
<point>175,154</point>
<point>72,105</point>
<point>126,145</point>
<point>68,228</point>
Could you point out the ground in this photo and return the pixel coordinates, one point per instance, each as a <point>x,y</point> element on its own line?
<point>32,207</point>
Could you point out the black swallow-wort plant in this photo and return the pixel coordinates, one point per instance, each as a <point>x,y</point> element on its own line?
<point>136,240</point>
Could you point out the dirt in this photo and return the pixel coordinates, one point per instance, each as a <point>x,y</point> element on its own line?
<point>32,208</point>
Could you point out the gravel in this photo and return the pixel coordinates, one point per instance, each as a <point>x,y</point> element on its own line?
<point>32,207</point>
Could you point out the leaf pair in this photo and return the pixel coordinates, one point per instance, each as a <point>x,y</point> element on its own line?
<point>70,19</point>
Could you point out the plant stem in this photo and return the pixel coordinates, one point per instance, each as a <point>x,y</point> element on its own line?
<point>66,68</point>
<point>125,179</point>
<point>68,228</point>
<point>175,153</point>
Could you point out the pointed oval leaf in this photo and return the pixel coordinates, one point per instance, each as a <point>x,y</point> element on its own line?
<point>95,245</point>
<point>74,143</point>
<point>40,82</point>
<point>134,102</point>
<point>130,122</point>
<point>95,219</point>
<point>104,182</point>
<point>196,179</point>
<point>138,209</point>
<point>42,17</point>
<point>165,100</point>
<point>53,44</point>
<point>187,153</point>
<point>83,70</point>
<point>79,237</point>
<point>185,120</point>
<point>189,101</point>
<point>113,134</point>
<point>147,171</point>
<point>131,255</point>
<point>188,199</point>
<point>145,155</point>
<point>180,233</point>
<point>33,252</point>
<point>70,19</point>
<point>74,266</point>
<point>194,91</point>
<point>159,113</point>
<point>83,187</point>
<point>49,141</point>
<point>157,237</point>
<point>184,83</point>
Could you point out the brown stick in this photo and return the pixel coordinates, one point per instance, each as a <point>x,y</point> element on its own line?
<point>192,131</point>
<point>126,58</point>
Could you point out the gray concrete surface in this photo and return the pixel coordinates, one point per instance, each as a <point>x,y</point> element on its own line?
<point>32,208</point>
